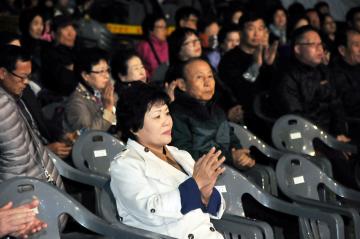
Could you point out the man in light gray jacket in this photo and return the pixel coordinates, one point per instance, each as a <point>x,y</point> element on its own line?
<point>21,150</point>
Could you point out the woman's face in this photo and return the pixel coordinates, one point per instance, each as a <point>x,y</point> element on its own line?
<point>160,30</point>
<point>190,48</point>
<point>329,25</point>
<point>156,131</point>
<point>231,41</point>
<point>99,75</point>
<point>135,70</point>
<point>280,19</point>
<point>36,27</point>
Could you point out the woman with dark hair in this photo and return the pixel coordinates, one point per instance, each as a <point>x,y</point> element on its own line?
<point>184,44</point>
<point>278,24</point>
<point>127,67</point>
<point>153,50</point>
<point>31,26</point>
<point>91,105</point>
<point>159,187</point>
<point>328,32</point>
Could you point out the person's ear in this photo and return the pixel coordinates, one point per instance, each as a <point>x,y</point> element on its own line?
<point>122,77</point>
<point>297,49</point>
<point>181,84</point>
<point>3,72</point>
<point>134,133</point>
<point>342,50</point>
<point>85,76</point>
<point>182,23</point>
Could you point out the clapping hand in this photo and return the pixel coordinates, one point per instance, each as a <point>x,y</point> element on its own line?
<point>206,171</point>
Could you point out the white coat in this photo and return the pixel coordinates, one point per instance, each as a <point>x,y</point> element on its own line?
<point>147,195</point>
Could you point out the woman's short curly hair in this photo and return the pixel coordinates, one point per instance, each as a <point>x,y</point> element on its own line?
<point>133,104</point>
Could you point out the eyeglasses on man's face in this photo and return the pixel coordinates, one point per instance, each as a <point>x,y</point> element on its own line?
<point>102,72</point>
<point>20,78</point>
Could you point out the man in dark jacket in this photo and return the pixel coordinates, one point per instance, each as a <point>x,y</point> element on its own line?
<point>198,123</point>
<point>347,71</point>
<point>248,69</point>
<point>307,89</point>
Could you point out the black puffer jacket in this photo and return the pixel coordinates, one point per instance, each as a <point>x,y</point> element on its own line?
<point>309,92</point>
<point>198,126</point>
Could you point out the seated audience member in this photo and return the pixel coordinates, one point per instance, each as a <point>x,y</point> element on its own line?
<point>199,123</point>
<point>322,8</point>
<point>21,151</point>
<point>31,108</point>
<point>184,44</point>
<point>126,67</point>
<point>353,18</point>
<point>159,187</point>
<point>91,105</point>
<point>307,89</point>
<point>347,71</point>
<point>229,38</point>
<point>209,30</point>
<point>278,25</point>
<point>314,18</point>
<point>328,33</point>
<point>57,75</point>
<point>187,17</point>
<point>20,222</point>
<point>248,69</point>
<point>153,50</point>
<point>31,25</point>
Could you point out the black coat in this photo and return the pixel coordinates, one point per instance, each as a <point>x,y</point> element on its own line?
<point>198,126</point>
<point>309,92</point>
<point>347,83</point>
<point>55,76</point>
<point>231,69</point>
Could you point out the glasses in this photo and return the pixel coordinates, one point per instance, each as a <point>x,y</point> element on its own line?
<point>102,72</point>
<point>193,42</point>
<point>20,78</point>
<point>312,44</point>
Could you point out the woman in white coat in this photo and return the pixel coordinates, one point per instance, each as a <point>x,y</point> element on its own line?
<point>158,187</point>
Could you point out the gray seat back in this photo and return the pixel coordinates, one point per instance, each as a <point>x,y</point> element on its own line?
<point>295,134</point>
<point>249,140</point>
<point>94,150</point>
<point>234,185</point>
<point>301,177</point>
<point>262,175</point>
<point>54,202</point>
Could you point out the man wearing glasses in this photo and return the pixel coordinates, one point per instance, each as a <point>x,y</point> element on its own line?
<point>21,150</point>
<point>307,89</point>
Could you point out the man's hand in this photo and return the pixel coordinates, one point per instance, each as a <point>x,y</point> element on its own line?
<point>241,158</point>
<point>60,149</point>
<point>270,53</point>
